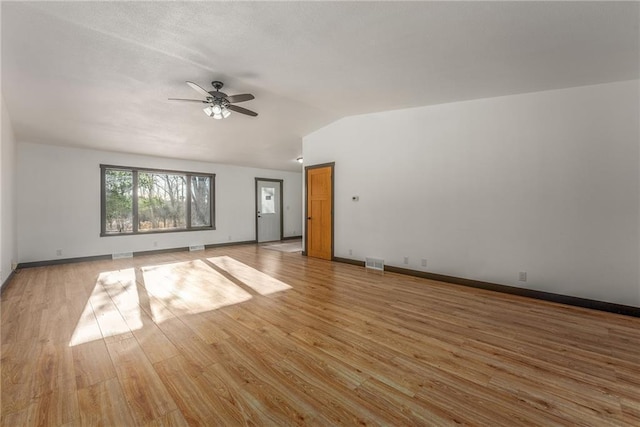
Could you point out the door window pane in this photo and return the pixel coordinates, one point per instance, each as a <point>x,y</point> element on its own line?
<point>268,205</point>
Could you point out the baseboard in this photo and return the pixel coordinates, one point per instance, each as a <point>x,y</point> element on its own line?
<point>186,248</point>
<point>135,254</point>
<point>160,251</point>
<point>292,238</point>
<point>220,245</point>
<point>530,293</point>
<point>63,261</point>
<point>6,281</point>
<point>349,261</point>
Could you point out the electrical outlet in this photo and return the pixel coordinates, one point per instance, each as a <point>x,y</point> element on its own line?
<point>406,260</point>
<point>424,262</point>
<point>58,252</point>
<point>522,276</point>
<point>155,244</point>
<point>350,252</point>
<point>229,238</point>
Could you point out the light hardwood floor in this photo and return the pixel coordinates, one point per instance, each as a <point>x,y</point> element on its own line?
<point>243,335</point>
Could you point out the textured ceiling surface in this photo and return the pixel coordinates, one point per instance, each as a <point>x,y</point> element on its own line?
<point>98,74</point>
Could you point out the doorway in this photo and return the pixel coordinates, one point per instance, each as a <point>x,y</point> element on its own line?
<point>319,211</point>
<point>268,209</point>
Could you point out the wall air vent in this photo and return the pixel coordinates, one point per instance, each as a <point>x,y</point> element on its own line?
<point>374,263</point>
<point>121,255</point>
<point>196,248</point>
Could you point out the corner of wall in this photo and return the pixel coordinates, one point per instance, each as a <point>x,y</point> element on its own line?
<point>8,238</point>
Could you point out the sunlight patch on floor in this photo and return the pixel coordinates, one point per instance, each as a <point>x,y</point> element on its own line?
<point>110,310</point>
<point>258,281</point>
<point>121,287</point>
<point>87,328</point>
<point>189,287</point>
<point>119,304</point>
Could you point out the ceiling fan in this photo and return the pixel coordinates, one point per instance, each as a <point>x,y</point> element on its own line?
<point>220,105</point>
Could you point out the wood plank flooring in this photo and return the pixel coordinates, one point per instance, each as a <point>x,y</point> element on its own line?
<point>248,336</point>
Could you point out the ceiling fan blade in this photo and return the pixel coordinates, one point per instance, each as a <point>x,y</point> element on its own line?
<point>240,98</point>
<point>199,89</point>
<point>242,110</point>
<point>190,100</point>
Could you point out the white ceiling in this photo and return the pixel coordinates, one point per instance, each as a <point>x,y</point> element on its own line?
<point>98,75</point>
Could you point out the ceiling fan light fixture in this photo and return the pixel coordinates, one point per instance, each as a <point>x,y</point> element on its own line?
<point>217,111</point>
<point>219,104</point>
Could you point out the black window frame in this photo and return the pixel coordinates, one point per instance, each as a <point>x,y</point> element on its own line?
<point>135,171</point>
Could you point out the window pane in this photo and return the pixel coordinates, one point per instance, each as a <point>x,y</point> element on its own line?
<point>200,203</point>
<point>268,200</point>
<point>119,201</point>
<point>161,201</point>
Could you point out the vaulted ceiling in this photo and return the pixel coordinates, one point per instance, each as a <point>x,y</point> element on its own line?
<point>98,74</point>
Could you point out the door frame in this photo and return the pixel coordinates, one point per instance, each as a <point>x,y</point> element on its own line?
<point>332,165</point>
<point>255,211</point>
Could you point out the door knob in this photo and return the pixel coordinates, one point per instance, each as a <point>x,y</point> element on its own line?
<point>308,217</point>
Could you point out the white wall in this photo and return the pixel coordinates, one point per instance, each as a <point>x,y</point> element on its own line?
<point>8,242</point>
<point>59,203</point>
<point>546,183</point>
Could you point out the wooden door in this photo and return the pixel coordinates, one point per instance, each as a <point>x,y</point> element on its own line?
<point>319,240</point>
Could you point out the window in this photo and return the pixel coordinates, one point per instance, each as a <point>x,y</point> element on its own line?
<point>138,201</point>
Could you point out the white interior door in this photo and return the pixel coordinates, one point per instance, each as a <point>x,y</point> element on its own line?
<point>269,215</point>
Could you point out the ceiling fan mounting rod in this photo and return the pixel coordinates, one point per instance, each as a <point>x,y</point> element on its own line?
<point>217,85</point>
